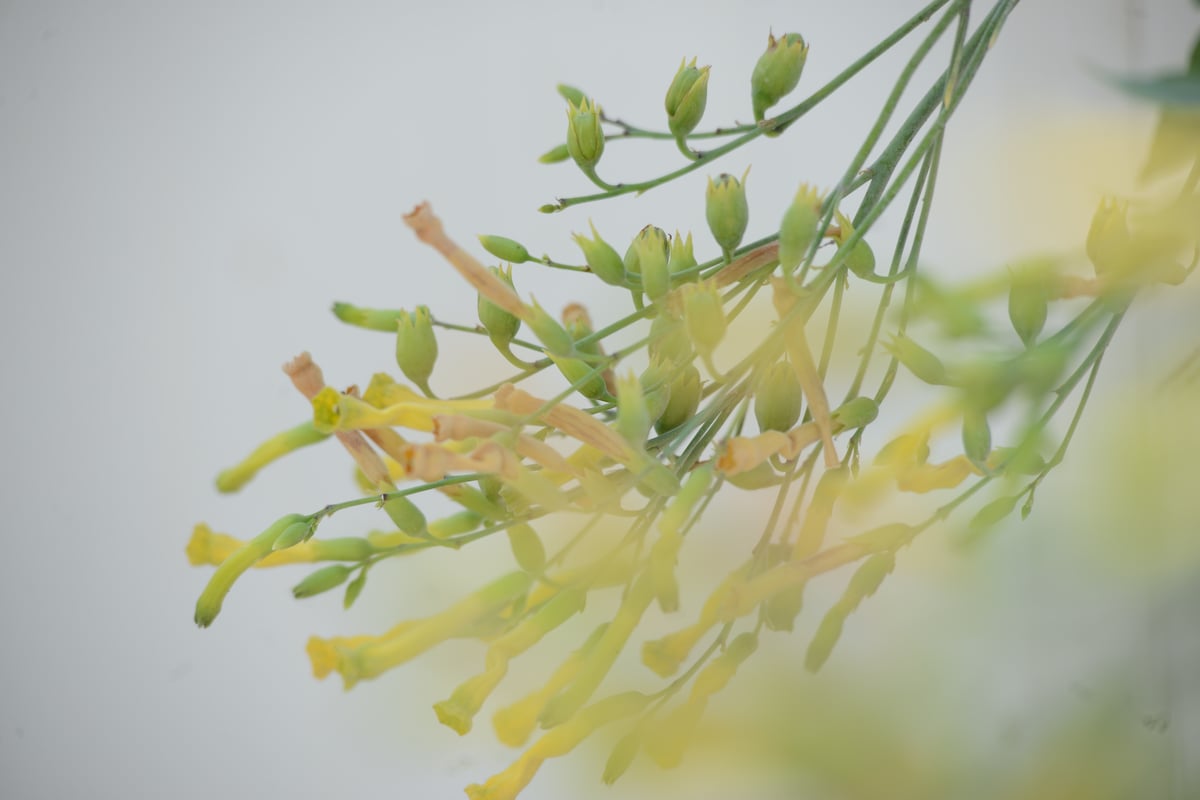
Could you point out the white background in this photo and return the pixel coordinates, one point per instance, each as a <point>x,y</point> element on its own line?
<point>184,189</point>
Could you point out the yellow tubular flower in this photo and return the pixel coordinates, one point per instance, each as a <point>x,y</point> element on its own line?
<point>334,411</point>
<point>237,476</point>
<point>931,477</point>
<point>665,655</point>
<point>209,548</point>
<point>208,605</point>
<point>371,658</point>
<point>800,356</point>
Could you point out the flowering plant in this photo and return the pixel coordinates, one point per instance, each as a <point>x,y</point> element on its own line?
<point>644,453</point>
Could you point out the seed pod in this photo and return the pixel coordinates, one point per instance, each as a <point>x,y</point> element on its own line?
<point>777,71</point>
<point>501,326</point>
<point>505,249</point>
<point>416,346</point>
<point>601,258</point>
<point>704,315</point>
<point>778,399</point>
<point>682,258</point>
<point>669,340</point>
<point>322,580</point>
<point>585,137</point>
<point>799,228</point>
<point>686,98</point>
<point>924,365</point>
<point>652,249</point>
<point>726,210</point>
<point>683,400</point>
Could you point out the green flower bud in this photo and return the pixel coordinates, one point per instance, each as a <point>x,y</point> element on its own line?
<point>856,413</point>
<point>208,605</point>
<point>322,580</point>
<point>799,227</point>
<point>585,137</point>
<point>1109,243</point>
<point>669,340</point>
<point>777,71</point>
<point>656,389</point>
<point>354,589</point>
<point>778,398</point>
<point>986,382</point>
<point>549,332</point>
<point>555,155</point>
<point>991,514</point>
<point>299,531</point>
<point>682,258</point>
<point>578,323</point>
<point>682,401</point>
<point>405,514</point>
<point>373,319</point>
<point>501,326</point>
<point>726,210</point>
<point>652,249</point>
<point>976,436</point>
<point>920,362</point>
<point>686,98</point>
<point>1041,367</point>
<point>704,315</point>
<point>416,346</point>
<point>572,95</point>
<point>601,258</point>
<point>1028,301</point>
<point>505,249</point>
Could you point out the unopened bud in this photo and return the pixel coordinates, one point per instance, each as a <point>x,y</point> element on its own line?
<point>861,258</point>
<point>405,514</point>
<point>856,413</point>
<point>1027,306</point>
<point>416,346</point>
<point>1109,243</point>
<point>633,417</point>
<point>682,258</point>
<point>669,340</point>
<point>549,332</point>
<point>601,258</point>
<point>777,71</point>
<point>920,362</point>
<point>652,248</point>
<point>686,98</point>
<point>704,315</point>
<point>778,399</point>
<point>976,436</point>
<point>555,155</point>
<point>322,580</point>
<point>571,94</point>
<point>505,249</point>
<point>726,210</point>
<point>299,531</point>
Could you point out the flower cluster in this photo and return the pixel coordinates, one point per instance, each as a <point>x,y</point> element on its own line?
<point>652,449</point>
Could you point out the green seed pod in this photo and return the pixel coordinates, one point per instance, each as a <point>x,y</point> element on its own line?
<point>856,413</point>
<point>924,365</point>
<point>669,340</point>
<point>726,210</point>
<point>505,249</point>
<point>601,258</point>
<point>1027,307</point>
<point>686,98</point>
<point>778,398</point>
<point>585,137</point>
<point>571,94</point>
<point>555,155</point>
<point>683,400</point>
<point>294,534</point>
<point>405,514</point>
<point>527,548</point>
<point>354,589</point>
<point>777,71</point>
<point>501,326</point>
<point>416,346</point>
<point>322,580</point>
<point>682,258</point>
<point>652,249</point>
<point>798,228</point>
<point>549,332</point>
<point>976,436</point>
<point>704,315</point>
